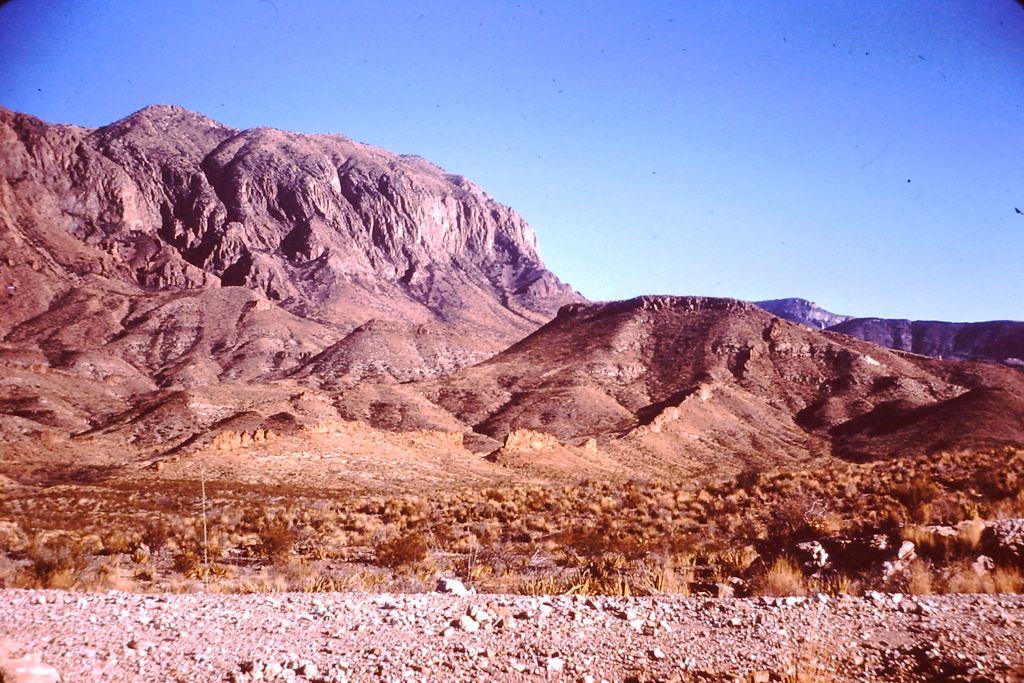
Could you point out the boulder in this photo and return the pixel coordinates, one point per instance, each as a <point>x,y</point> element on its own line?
<point>1004,540</point>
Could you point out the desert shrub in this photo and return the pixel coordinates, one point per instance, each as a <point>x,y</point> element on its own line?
<point>996,482</point>
<point>56,562</point>
<point>664,576</point>
<point>277,542</point>
<point>791,520</point>
<point>156,534</point>
<point>942,545</point>
<point>119,542</point>
<point>601,552</point>
<point>13,538</point>
<point>188,560</point>
<point>1007,580</point>
<point>749,477</point>
<point>401,550</point>
<point>965,578</point>
<point>917,498</point>
<point>144,574</point>
<point>841,584</point>
<point>919,579</point>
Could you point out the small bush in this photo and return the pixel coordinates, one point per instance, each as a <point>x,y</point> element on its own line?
<point>156,534</point>
<point>919,581</point>
<point>401,550</point>
<point>56,562</point>
<point>277,542</point>
<point>917,498</point>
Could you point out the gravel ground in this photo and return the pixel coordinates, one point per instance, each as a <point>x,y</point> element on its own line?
<point>367,637</point>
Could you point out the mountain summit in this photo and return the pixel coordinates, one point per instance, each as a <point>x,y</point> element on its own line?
<point>174,279</point>
<point>327,228</point>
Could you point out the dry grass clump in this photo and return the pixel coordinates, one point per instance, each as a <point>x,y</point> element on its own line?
<point>962,578</point>
<point>56,561</point>
<point>943,544</point>
<point>783,578</point>
<point>277,539</point>
<point>622,537</point>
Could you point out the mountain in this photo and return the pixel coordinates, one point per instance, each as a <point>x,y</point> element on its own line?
<point>802,311</point>
<point>720,379</point>
<point>323,228</point>
<point>1000,341</point>
<point>171,276</point>
<point>181,286</point>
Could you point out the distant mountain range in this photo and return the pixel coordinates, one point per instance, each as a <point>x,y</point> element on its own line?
<point>998,341</point>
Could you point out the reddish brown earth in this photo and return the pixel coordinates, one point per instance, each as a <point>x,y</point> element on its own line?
<point>177,278</point>
<point>283,311</point>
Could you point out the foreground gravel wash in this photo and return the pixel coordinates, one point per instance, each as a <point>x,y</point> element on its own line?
<point>358,637</point>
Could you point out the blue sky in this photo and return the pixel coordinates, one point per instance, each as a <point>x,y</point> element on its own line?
<point>866,155</point>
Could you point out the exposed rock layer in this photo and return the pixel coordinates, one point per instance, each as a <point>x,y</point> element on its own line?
<point>721,380</point>
<point>997,341</point>
<point>329,229</point>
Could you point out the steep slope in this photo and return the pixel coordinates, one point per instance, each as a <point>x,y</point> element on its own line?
<point>166,199</point>
<point>187,338</point>
<point>998,341</point>
<point>388,349</point>
<point>156,259</point>
<point>716,378</point>
<point>802,311</point>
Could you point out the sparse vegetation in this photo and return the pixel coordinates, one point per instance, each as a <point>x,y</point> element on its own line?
<point>714,537</point>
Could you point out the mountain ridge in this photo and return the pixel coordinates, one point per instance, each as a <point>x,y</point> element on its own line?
<point>797,310</point>
<point>178,278</point>
<point>166,198</point>
<point>993,341</point>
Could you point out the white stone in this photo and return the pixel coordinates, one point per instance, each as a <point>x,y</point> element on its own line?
<point>27,670</point>
<point>452,586</point>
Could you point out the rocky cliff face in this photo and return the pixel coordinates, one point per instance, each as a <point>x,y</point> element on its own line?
<point>802,311</point>
<point>168,256</point>
<point>325,227</point>
<point>1000,341</point>
<point>176,278</point>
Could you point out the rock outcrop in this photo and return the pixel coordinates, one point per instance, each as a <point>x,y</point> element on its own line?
<point>166,199</point>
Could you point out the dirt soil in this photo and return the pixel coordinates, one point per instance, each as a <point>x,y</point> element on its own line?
<point>362,637</point>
